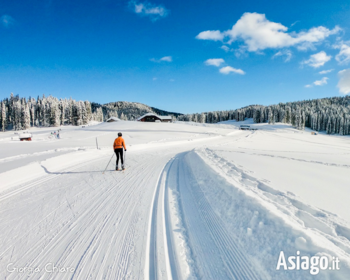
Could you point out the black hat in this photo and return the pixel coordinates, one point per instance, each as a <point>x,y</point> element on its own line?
<point>119,134</point>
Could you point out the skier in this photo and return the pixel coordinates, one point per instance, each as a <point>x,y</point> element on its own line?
<point>118,149</point>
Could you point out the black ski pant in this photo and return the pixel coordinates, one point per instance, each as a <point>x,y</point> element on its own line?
<point>117,153</point>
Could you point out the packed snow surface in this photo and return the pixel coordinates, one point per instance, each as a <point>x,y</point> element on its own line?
<point>196,201</point>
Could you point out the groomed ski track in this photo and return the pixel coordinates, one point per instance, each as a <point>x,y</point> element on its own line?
<point>215,252</point>
<point>120,225</point>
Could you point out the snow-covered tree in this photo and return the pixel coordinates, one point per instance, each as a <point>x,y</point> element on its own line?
<point>16,115</point>
<point>3,116</point>
<point>84,117</point>
<point>54,112</point>
<point>88,110</point>
<point>25,116</point>
<point>76,112</point>
<point>201,118</point>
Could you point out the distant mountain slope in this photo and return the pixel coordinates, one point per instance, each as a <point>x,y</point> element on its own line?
<point>128,110</point>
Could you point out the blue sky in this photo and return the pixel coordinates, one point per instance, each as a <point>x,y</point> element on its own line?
<point>175,55</point>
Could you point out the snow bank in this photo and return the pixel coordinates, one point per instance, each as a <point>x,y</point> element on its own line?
<point>50,166</point>
<point>267,221</point>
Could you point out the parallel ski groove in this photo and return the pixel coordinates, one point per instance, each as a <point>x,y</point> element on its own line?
<point>152,268</point>
<point>104,257</point>
<point>232,256</point>
<point>169,252</point>
<point>168,231</point>
<point>205,255</point>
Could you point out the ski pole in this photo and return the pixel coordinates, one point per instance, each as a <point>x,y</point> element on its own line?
<point>108,164</point>
<point>124,158</point>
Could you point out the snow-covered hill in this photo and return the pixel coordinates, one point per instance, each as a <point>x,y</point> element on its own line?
<point>196,201</point>
<point>132,110</point>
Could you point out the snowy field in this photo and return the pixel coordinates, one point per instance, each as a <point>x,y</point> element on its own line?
<point>196,201</point>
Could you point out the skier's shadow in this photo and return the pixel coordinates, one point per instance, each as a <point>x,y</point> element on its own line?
<point>69,172</point>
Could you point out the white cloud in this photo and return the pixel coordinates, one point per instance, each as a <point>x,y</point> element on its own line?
<point>228,69</point>
<point>225,48</point>
<point>286,53</point>
<point>321,82</point>
<point>306,46</point>
<point>148,9</point>
<point>294,23</point>
<point>344,81</point>
<point>258,33</point>
<point>214,61</point>
<point>325,71</point>
<point>165,58</point>
<point>6,20</point>
<point>317,60</point>
<point>210,35</point>
<point>343,57</point>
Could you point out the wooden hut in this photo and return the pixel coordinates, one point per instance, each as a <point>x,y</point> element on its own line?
<point>151,117</point>
<point>244,127</point>
<point>113,119</point>
<point>25,137</point>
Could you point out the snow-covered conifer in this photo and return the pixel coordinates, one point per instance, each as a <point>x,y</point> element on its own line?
<point>3,116</point>
<point>25,116</point>
<point>88,110</point>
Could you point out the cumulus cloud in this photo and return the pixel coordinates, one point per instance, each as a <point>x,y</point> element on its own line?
<point>228,69</point>
<point>211,35</point>
<point>165,58</point>
<point>306,46</point>
<point>325,71</point>
<point>7,20</point>
<point>344,81</point>
<point>321,82</point>
<point>317,60</point>
<point>214,61</point>
<point>147,9</point>
<point>223,70</point>
<point>286,53</point>
<point>343,57</point>
<point>258,33</point>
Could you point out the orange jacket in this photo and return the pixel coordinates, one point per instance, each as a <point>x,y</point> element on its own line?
<point>119,143</point>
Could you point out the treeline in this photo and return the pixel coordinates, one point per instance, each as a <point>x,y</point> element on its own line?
<point>19,113</point>
<point>327,114</point>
